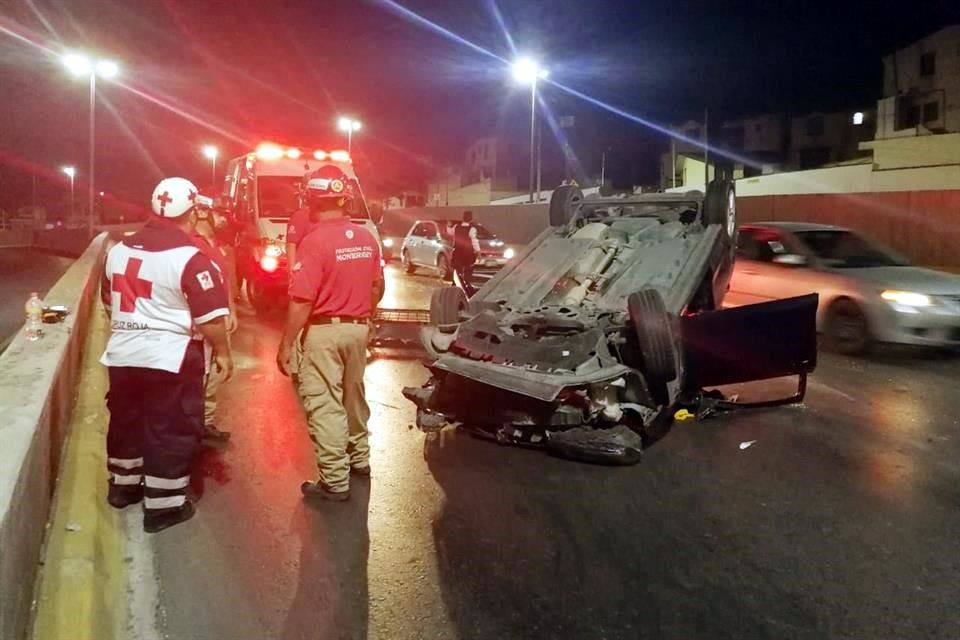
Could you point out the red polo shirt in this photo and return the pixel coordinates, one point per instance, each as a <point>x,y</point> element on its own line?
<point>299,226</point>
<point>337,266</point>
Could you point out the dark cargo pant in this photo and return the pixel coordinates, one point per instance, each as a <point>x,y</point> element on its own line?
<point>156,421</point>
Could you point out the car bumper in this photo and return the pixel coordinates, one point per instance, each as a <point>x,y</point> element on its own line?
<point>936,326</point>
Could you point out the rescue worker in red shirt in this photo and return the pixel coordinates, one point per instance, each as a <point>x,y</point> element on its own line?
<point>333,287</point>
<point>165,298</point>
<point>210,237</point>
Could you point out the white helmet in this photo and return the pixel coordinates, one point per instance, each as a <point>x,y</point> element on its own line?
<point>174,197</point>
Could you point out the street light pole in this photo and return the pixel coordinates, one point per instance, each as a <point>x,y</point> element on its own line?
<point>93,124</point>
<point>526,70</point>
<point>349,125</point>
<point>533,131</point>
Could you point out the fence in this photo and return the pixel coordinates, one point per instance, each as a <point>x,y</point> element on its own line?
<point>922,225</point>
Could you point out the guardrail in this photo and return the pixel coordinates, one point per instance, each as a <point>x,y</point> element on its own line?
<point>37,386</point>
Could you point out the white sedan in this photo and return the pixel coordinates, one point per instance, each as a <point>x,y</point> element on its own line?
<point>867,293</point>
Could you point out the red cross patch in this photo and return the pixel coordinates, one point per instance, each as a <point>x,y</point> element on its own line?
<point>130,286</point>
<point>164,199</point>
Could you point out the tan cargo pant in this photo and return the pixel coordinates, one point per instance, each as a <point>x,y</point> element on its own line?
<point>332,359</point>
<point>211,386</point>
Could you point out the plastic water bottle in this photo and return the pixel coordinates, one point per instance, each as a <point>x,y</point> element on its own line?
<point>34,324</point>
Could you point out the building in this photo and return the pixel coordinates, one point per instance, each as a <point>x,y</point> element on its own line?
<point>819,139</point>
<point>485,174</point>
<point>921,87</point>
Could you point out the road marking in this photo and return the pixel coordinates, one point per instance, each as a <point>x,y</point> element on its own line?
<point>826,387</point>
<point>144,610</point>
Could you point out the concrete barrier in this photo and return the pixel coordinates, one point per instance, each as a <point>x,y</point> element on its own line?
<point>15,238</point>
<point>37,387</point>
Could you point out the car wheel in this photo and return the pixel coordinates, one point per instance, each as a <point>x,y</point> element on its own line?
<point>720,207</point>
<point>443,267</point>
<point>408,266</point>
<point>446,305</point>
<point>563,205</point>
<point>846,328</point>
<point>651,324</point>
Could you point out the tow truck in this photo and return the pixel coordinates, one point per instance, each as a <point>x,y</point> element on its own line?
<point>263,189</point>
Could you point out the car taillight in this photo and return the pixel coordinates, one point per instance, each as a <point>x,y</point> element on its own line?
<point>269,263</point>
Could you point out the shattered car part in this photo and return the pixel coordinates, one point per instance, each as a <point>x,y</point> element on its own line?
<point>604,322</point>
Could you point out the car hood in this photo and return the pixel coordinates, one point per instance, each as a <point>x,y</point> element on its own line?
<point>915,279</point>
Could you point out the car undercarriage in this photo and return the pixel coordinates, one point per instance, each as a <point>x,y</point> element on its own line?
<point>604,326</point>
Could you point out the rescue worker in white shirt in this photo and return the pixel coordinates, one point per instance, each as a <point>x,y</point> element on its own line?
<point>466,250</point>
<point>165,298</point>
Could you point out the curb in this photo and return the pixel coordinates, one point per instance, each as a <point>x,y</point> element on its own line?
<point>81,590</point>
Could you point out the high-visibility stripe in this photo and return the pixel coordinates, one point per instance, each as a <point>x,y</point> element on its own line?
<point>131,479</point>
<point>126,463</point>
<point>164,503</point>
<point>154,482</point>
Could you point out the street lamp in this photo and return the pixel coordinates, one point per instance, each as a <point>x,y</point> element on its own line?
<point>81,65</point>
<point>527,71</point>
<point>349,125</point>
<point>210,152</point>
<point>71,173</point>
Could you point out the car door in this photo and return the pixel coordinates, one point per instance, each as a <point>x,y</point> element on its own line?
<point>432,245</point>
<point>412,243</point>
<point>771,265</point>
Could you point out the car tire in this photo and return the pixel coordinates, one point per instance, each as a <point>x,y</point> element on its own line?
<point>446,305</point>
<point>652,325</point>
<point>720,207</point>
<point>443,267</point>
<point>408,266</point>
<point>564,203</point>
<point>846,328</point>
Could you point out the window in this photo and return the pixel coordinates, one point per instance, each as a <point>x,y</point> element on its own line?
<point>760,245</point>
<point>422,230</point>
<point>928,64</point>
<point>931,112</point>
<point>815,126</point>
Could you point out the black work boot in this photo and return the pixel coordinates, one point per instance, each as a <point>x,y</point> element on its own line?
<point>212,434</point>
<point>318,490</point>
<point>154,521</point>
<point>121,496</point>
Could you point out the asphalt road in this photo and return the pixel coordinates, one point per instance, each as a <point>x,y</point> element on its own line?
<point>23,271</point>
<point>841,520</point>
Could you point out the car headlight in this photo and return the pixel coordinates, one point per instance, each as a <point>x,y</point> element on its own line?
<point>273,250</point>
<point>906,298</point>
<point>508,254</point>
<point>388,242</point>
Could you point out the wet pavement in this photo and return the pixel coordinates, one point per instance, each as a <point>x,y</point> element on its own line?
<point>23,271</point>
<point>841,520</point>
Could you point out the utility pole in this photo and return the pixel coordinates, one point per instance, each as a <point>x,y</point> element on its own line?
<point>539,157</point>
<point>706,151</point>
<point>673,161</point>
<point>603,168</point>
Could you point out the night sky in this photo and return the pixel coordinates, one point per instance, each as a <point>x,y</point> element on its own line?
<point>283,70</point>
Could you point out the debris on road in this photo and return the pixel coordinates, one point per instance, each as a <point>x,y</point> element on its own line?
<point>747,444</point>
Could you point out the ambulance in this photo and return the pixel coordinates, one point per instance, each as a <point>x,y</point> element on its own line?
<point>263,189</point>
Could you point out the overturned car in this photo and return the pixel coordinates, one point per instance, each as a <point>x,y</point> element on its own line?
<point>607,323</point>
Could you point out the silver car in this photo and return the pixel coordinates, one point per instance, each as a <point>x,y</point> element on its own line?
<point>867,292</point>
<point>429,244</point>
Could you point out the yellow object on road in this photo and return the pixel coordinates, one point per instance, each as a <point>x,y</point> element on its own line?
<point>683,415</point>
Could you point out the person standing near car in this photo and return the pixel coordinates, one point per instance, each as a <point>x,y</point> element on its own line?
<point>466,250</point>
<point>212,237</point>
<point>333,287</point>
<point>165,298</point>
